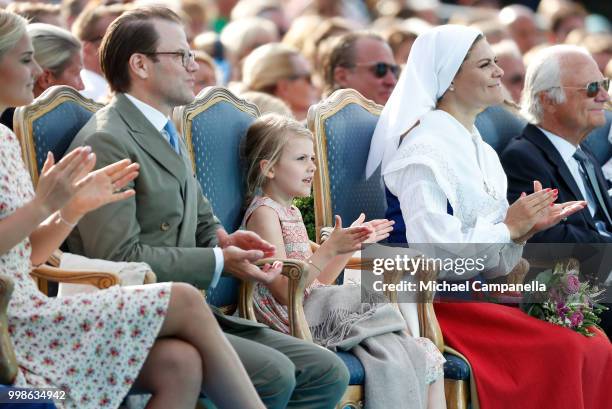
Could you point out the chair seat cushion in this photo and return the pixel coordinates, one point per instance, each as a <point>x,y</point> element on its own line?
<point>354,366</point>
<point>456,368</point>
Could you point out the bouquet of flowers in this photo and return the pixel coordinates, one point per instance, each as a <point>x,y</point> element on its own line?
<point>567,301</point>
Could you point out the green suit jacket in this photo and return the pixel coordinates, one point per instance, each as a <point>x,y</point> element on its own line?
<point>168,224</point>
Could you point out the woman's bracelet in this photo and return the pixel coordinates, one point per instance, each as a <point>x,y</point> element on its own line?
<point>66,222</point>
<point>313,264</point>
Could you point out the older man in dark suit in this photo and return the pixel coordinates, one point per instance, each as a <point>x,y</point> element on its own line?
<point>563,100</point>
<point>169,223</point>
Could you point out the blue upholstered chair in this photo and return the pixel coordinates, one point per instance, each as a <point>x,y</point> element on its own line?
<point>50,123</point>
<point>497,125</point>
<point>598,141</point>
<point>213,125</point>
<point>343,125</point>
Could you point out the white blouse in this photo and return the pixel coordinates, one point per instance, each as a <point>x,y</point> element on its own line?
<point>439,161</point>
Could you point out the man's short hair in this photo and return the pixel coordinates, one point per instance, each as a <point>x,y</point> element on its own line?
<point>132,32</point>
<point>341,53</point>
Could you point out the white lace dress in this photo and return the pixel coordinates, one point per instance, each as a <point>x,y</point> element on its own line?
<point>90,345</point>
<point>440,162</point>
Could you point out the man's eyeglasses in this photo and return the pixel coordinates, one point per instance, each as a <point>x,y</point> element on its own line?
<point>592,88</point>
<point>187,56</point>
<point>379,69</point>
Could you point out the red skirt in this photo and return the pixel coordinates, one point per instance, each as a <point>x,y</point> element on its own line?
<point>522,362</point>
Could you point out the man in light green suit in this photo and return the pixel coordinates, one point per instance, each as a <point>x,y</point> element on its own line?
<point>169,223</point>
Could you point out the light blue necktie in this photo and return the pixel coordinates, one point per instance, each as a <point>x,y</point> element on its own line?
<point>173,136</point>
<point>587,171</point>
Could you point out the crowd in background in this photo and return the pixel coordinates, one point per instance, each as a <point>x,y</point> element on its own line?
<point>285,55</point>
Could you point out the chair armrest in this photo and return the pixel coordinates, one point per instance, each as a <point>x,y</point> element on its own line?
<point>98,279</point>
<point>150,278</point>
<point>428,322</point>
<point>55,260</point>
<point>8,362</point>
<point>297,273</point>
<point>518,273</point>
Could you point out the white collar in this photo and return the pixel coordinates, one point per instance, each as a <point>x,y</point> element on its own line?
<point>157,119</point>
<point>566,149</point>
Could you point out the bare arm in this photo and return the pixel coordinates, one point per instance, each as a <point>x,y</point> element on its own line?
<point>264,221</point>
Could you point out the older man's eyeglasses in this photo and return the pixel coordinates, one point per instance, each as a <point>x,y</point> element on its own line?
<point>187,56</point>
<point>592,88</point>
<point>379,69</point>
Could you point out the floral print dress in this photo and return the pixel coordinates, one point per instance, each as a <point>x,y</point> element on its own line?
<point>92,346</point>
<point>297,246</point>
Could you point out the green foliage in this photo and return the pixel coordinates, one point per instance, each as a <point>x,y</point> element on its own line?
<point>306,206</point>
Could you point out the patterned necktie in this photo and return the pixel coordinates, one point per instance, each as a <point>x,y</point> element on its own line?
<point>587,171</point>
<point>173,136</point>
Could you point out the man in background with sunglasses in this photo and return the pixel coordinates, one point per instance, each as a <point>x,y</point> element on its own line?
<point>563,99</point>
<point>362,61</point>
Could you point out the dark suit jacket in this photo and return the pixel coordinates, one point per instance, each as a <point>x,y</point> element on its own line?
<point>531,156</point>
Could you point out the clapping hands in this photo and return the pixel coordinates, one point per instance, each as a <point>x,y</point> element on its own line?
<point>71,186</point>
<point>538,211</point>
<point>348,240</point>
<point>381,228</point>
<point>241,249</point>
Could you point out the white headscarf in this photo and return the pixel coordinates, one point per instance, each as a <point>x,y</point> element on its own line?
<point>435,58</point>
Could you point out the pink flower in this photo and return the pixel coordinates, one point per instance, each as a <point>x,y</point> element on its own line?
<point>562,309</point>
<point>576,319</point>
<point>572,284</point>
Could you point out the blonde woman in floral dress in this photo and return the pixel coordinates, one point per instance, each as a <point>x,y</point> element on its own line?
<point>161,338</point>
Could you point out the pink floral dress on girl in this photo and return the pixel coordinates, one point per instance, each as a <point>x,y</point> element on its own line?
<point>92,346</point>
<point>297,246</point>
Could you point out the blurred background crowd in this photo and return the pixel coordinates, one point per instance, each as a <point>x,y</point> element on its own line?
<point>285,55</point>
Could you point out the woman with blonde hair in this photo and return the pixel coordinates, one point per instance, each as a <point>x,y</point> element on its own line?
<point>281,70</point>
<point>58,53</point>
<point>161,338</point>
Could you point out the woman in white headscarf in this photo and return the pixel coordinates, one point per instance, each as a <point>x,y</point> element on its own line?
<point>447,186</point>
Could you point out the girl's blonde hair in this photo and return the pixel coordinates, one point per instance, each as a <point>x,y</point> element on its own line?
<point>12,28</point>
<point>265,140</point>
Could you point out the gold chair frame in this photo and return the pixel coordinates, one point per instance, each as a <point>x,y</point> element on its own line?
<point>23,124</point>
<point>25,116</point>
<point>317,116</point>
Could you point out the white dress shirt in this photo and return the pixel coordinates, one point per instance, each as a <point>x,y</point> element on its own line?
<point>567,150</point>
<point>158,120</point>
<point>440,161</point>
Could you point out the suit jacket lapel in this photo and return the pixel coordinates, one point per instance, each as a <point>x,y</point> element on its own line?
<point>535,136</point>
<point>150,139</point>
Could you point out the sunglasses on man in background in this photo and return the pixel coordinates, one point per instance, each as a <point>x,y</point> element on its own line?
<point>379,69</point>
